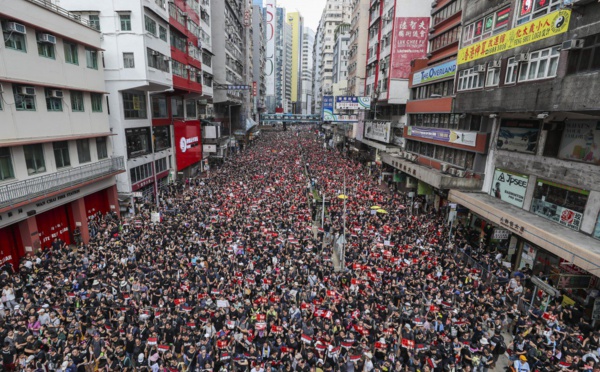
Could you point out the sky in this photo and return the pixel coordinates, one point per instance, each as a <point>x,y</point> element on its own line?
<point>310,9</point>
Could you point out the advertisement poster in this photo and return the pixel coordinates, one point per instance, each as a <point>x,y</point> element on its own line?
<point>328,108</point>
<point>509,187</point>
<point>409,42</point>
<point>526,7</point>
<point>188,150</point>
<point>270,46</point>
<point>445,70</point>
<point>541,28</point>
<point>528,256</point>
<point>445,135</point>
<point>352,103</point>
<point>581,142</point>
<point>521,136</point>
<point>378,130</point>
<point>564,216</point>
<point>502,17</point>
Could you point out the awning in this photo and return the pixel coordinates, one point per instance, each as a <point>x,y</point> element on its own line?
<point>376,145</point>
<point>572,246</point>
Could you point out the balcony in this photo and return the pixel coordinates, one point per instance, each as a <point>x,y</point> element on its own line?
<point>20,191</point>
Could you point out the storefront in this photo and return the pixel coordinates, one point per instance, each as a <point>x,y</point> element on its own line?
<point>12,245</point>
<point>96,202</point>
<point>55,223</point>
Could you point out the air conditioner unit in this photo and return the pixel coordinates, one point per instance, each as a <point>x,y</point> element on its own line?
<point>155,53</point>
<point>187,67</point>
<point>445,167</point>
<point>522,57</point>
<point>56,94</point>
<point>47,38</point>
<point>494,64</point>
<point>452,171</point>
<point>166,59</point>
<point>16,27</point>
<point>479,68</point>
<point>27,91</point>
<point>461,173</point>
<point>572,44</point>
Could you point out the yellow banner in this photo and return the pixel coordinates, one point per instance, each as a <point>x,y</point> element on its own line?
<point>552,24</point>
<point>567,301</point>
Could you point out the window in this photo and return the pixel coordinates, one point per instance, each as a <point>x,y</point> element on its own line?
<point>150,25</point>
<point>71,53</point>
<point>83,151</point>
<point>542,64</point>
<point>34,159</point>
<point>532,9</point>
<point>24,98</point>
<point>491,24</point>
<point>101,148</point>
<point>587,58</point>
<point>134,105</point>
<point>125,20</point>
<point>469,79</point>
<point>157,60</point>
<point>96,102</point>
<point>493,77</point>
<point>160,165</point>
<point>138,141</point>
<point>559,203</point>
<point>91,58</point>
<point>178,41</point>
<point>447,12</point>
<point>53,99</point>
<point>94,20</point>
<point>179,69</point>
<point>446,38</point>
<point>141,172</point>
<point>159,107</point>
<point>6,167</point>
<point>190,109</point>
<point>13,40</point>
<point>162,33</point>
<point>177,107</point>
<point>61,154</point>
<point>162,138</point>
<point>511,71</point>
<point>128,61</point>
<point>45,48</point>
<point>77,101</point>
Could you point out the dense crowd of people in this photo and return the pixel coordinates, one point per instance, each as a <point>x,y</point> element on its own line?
<point>235,277</point>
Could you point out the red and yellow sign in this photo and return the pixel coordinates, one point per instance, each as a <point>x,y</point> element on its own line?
<point>552,24</point>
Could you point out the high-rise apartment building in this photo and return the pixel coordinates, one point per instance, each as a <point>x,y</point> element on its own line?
<point>316,73</point>
<point>296,22</point>
<point>340,59</point>
<point>57,166</point>
<point>288,67</point>
<point>307,97</point>
<point>357,50</point>
<point>259,87</point>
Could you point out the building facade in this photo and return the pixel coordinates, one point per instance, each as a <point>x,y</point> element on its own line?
<point>307,98</point>
<point>537,93</point>
<point>58,168</point>
<point>357,50</point>
<point>340,59</point>
<point>296,22</point>
<point>316,73</point>
<point>259,87</point>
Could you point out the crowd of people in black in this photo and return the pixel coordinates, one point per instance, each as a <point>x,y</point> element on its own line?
<point>236,277</point>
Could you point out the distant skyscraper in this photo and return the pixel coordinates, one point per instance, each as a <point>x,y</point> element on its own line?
<point>306,98</point>
<point>296,22</point>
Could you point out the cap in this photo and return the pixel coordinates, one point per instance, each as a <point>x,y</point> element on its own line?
<point>523,358</point>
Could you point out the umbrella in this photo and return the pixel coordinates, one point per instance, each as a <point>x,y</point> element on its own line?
<point>342,196</point>
<point>375,207</point>
<point>382,211</point>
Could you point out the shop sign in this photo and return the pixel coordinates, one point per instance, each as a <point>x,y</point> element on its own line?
<point>564,216</point>
<point>509,187</point>
<point>501,234</point>
<point>378,130</point>
<point>144,183</point>
<point>409,43</point>
<point>541,28</point>
<point>445,135</point>
<point>513,226</point>
<point>581,142</point>
<point>519,135</point>
<point>445,70</point>
<point>188,151</point>
<point>352,103</point>
<point>57,198</point>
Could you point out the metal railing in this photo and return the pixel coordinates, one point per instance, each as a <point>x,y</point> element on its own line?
<point>63,12</point>
<point>483,271</point>
<point>27,189</point>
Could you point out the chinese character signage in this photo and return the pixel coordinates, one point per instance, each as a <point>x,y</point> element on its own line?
<point>509,187</point>
<point>581,142</point>
<point>378,130</point>
<point>550,25</point>
<point>352,103</point>
<point>328,108</point>
<point>518,135</point>
<point>254,90</point>
<point>409,42</point>
<point>445,135</point>
<point>559,203</point>
<point>445,70</point>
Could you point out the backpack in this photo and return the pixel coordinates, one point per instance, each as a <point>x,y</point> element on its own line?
<point>501,347</point>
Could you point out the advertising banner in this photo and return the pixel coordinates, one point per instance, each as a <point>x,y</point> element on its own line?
<point>581,142</point>
<point>519,135</point>
<point>409,42</point>
<point>550,25</point>
<point>378,130</point>
<point>327,108</point>
<point>564,216</point>
<point>352,103</point>
<point>445,135</point>
<point>509,187</point>
<point>270,46</point>
<point>187,143</point>
<point>445,70</point>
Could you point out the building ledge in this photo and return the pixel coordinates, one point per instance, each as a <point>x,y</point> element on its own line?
<point>34,140</point>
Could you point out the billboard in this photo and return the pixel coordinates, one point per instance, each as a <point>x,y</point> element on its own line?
<point>581,142</point>
<point>547,26</point>
<point>509,187</point>
<point>188,149</point>
<point>409,42</point>
<point>378,130</point>
<point>270,46</point>
<point>519,135</point>
<point>352,103</point>
<point>445,70</point>
<point>327,109</point>
<point>445,135</point>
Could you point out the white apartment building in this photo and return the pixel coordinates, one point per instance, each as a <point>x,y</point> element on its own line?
<point>308,41</point>
<point>340,60</point>
<point>316,73</point>
<point>205,104</point>
<point>57,167</point>
<point>136,57</point>
<point>357,51</point>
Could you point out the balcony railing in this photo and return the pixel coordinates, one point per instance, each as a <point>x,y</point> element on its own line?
<point>28,189</point>
<point>63,12</point>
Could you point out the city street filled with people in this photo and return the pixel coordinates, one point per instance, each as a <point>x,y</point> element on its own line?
<point>239,274</point>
